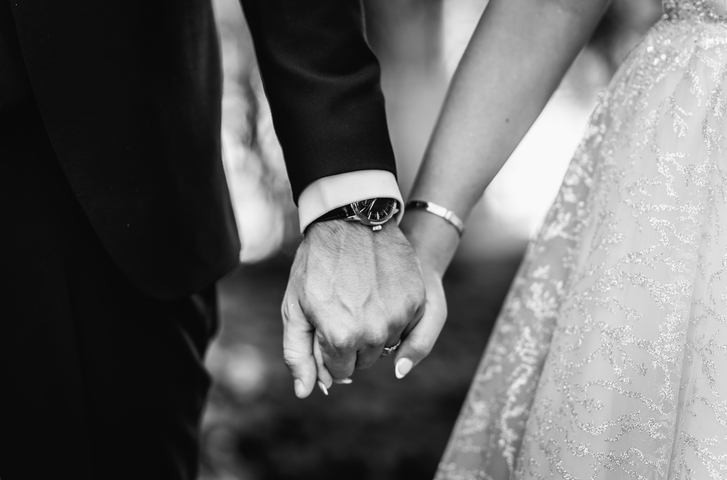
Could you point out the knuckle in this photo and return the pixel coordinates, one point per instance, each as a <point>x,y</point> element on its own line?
<point>421,346</point>
<point>418,295</point>
<point>376,338</point>
<point>419,310</point>
<point>289,362</point>
<point>291,358</point>
<point>285,310</point>
<point>338,342</point>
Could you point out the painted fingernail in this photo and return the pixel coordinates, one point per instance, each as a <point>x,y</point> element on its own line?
<point>323,388</point>
<point>403,366</point>
<point>344,381</point>
<point>299,388</point>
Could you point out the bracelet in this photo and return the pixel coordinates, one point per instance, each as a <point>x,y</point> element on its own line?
<point>439,211</point>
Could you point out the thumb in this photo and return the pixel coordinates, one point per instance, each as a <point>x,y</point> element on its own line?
<point>298,349</point>
<point>420,341</point>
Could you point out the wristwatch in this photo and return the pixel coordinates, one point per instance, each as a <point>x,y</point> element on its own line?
<point>372,212</point>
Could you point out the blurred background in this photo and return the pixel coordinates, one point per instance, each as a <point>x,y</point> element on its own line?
<point>378,427</point>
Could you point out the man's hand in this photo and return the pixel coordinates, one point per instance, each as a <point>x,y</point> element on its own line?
<point>351,292</point>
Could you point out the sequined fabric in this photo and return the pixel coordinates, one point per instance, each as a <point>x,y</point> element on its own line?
<point>609,359</point>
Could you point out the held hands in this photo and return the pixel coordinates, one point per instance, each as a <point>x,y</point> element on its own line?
<point>351,292</point>
<point>420,341</point>
<point>435,243</point>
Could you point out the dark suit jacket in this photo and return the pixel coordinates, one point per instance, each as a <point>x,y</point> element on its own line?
<point>130,94</point>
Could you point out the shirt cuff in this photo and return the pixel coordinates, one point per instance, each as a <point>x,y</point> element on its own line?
<point>329,193</point>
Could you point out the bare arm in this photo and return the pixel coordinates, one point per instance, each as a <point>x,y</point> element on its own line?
<point>520,51</point>
<point>516,58</point>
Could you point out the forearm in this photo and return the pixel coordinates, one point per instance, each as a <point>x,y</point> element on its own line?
<point>322,83</point>
<point>515,60</point>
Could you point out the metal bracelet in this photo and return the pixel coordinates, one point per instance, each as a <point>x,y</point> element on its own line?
<point>439,211</point>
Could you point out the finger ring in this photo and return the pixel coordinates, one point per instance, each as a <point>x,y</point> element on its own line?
<point>391,349</point>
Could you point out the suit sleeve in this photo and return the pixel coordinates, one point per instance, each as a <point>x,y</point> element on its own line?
<point>322,82</point>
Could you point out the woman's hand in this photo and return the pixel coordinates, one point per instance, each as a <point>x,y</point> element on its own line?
<point>420,340</point>
<point>435,242</point>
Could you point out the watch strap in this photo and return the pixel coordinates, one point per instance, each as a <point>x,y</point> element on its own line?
<point>340,213</point>
<point>348,212</point>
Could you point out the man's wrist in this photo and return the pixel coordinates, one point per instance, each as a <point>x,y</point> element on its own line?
<point>330,229</point>
<point>335,191</point>
<point>338,237</point>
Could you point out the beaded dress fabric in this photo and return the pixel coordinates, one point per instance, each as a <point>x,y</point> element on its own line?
<point>609,358</point>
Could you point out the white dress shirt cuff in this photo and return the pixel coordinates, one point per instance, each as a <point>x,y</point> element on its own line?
<point>329,193</point>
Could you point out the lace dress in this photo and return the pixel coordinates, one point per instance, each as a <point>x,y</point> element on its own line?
<point>609,358</point>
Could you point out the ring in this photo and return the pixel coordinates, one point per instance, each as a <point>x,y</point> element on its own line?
<point>391,349</point>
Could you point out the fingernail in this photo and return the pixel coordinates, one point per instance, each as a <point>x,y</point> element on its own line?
<point>403,366</point>
<point>299,388</point>
<point>344,381</point>
<point>323,388</point>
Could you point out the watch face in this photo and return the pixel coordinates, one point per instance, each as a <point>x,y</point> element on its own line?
<point>375,211</point>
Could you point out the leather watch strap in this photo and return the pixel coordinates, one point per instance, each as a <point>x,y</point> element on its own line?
<point>339,213</point>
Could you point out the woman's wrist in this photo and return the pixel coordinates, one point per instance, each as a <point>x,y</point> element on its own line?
<point>434,240</point>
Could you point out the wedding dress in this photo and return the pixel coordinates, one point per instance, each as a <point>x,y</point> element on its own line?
<point>609,358</point>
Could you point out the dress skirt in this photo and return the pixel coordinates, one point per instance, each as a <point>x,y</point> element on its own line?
<point>609,358</point>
